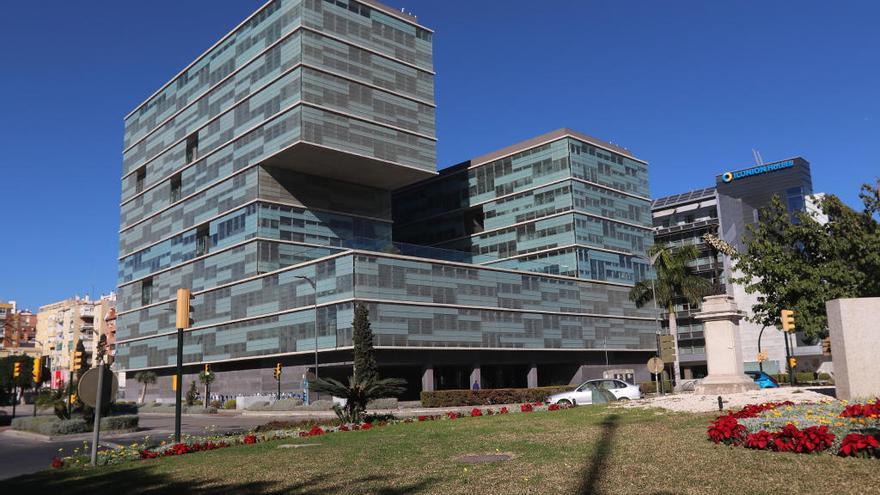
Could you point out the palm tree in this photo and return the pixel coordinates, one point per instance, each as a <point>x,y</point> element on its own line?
<point>675,280</point>
<point>358,393</point>
<point>145,378</point>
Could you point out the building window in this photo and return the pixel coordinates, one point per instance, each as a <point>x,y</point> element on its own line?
<point>176,186</point>
<point>147,291</point>
<point>140,178</point>
<point>203,240</point>
<point>192,147</point>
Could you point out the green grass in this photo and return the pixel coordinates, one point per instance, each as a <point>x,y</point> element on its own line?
<point>596,449</point>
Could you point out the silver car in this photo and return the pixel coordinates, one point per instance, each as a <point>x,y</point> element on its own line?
<point>584,393</point>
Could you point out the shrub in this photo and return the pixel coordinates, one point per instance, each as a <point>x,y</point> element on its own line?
<point>285,405</point>
<point>258,406</point>
<point>389,403</point>
<point>487,397</point>
<point>50,425</point>
<point>129,422</point>
<point>123,408</point>
<point>216,404</point>
<point>199,410</point>
<point>229,404</point>
<point>651,387</point>
<point>71,426</point>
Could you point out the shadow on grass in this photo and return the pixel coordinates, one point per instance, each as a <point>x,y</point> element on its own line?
<point>145,481</point>
<point>599,463</point>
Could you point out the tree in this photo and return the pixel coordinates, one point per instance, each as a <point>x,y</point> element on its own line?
<point>365,367</point>
<point>794,262</point>
<point>207,377</point>
<point>675,281</point>
<point>192,395</point>
<point>364,384</point>
<point>144,378</point>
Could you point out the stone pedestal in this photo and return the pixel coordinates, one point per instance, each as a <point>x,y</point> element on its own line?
<point>720,318</point>
<point>855,338</point>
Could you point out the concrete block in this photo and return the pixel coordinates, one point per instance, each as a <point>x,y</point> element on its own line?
<point>855,337</point>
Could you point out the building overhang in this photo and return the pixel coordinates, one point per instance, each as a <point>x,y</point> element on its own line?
<point>323,161</point>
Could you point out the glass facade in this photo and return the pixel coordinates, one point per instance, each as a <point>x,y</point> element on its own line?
<point>232,187</point>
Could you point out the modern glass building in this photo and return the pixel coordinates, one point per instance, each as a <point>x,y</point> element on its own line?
<point>269,164</point>
<point>726,211</point>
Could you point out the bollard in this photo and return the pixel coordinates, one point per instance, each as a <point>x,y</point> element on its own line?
<point>720,404</point>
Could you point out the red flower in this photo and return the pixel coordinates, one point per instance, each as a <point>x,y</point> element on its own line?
<point>421,418</point>
<point>553,407</point>
<point>250,439</point>
<point>341,428</point>
<point>754,410</point>
<point>315,431</point>
<point>760,441</point>
<point>725,429</point>
<point>858,445</point>
<point>526,408</point>
<point>503,411</point>
<point>476,412</point>
<point>862,410</point>
<point>366,426</point>
<point>453,415</point>
<point>537,403</point>
<point>57,463</point>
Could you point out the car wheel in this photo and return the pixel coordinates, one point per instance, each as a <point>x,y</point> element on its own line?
<point>622,399</point>
<point>564,402</point>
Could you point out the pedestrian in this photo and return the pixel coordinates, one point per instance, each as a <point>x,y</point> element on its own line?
<point>476,385</point>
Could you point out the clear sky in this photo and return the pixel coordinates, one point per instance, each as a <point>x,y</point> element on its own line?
<point>689,86</point>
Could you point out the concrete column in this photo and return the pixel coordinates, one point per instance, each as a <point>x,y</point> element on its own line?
<point>476,377</point>
<point>720,318</point>
<point>532,376</point>
<point>428,379</point>
<point>852,327</point>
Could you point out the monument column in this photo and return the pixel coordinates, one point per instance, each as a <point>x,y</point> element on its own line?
<point>720,318</point>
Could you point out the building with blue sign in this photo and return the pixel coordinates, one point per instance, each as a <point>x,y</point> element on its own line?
<point>276,177</point>
<point>726,211</point>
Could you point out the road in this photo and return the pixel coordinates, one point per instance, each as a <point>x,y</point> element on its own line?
<point>23,455</point>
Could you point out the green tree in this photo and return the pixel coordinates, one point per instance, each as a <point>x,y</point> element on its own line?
<point>364,384</point>
<point>192,395</point>
<point>675,281</point>
<point>365,367</point>
<point>144,378</point>
<point>207,377</point>
<point>794,262</point>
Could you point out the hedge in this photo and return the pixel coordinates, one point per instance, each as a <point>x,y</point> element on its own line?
<point>651,387</point>
<point>389,403</point>
<point>487,397</point>
<point>50,425</point>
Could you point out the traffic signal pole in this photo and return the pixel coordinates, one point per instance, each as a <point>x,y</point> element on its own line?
<point>182,320</point>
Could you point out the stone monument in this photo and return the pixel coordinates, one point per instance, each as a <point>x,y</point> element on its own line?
<point>855,338</point>
<point>720,318</point>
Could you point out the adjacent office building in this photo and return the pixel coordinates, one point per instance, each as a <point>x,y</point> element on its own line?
<point>263,177</point>
<point>726,211</point>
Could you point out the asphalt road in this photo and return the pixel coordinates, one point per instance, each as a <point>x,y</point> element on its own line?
<point>24,455</point>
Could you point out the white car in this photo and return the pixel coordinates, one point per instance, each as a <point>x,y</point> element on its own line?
<point>584,393</point>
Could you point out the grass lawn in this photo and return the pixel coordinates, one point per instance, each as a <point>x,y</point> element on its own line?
<point>601,450</point>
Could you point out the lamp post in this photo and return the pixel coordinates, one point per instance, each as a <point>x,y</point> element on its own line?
<point>652,260</point>
<point>315,290</point>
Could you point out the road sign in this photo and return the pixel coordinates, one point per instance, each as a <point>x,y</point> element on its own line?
<point>655,365</point>
<point>87,389</point>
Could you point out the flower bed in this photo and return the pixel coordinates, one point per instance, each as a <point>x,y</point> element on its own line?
<point>848,430</point>
<point>191,444</point>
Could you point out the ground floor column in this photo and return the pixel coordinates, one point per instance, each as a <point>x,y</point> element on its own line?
<point>476,378</point>
<point>532,376</point>
<point>428,379</point>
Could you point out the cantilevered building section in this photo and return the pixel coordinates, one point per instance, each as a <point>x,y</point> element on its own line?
<point>273,157</point>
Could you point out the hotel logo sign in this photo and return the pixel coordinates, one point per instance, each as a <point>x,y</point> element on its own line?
<point>728,177</point>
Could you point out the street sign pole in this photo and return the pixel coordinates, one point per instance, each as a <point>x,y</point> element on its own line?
<point>178,397</point>
<point>99,403</point>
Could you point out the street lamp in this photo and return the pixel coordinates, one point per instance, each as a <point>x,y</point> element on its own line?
<point>315,290</point>
<point>652,260</point>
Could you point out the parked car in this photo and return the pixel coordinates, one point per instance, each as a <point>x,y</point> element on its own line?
<point>763,379</point>
<point>619,389</point>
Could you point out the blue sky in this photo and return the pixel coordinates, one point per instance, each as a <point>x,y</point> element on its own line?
<point>689,86</point>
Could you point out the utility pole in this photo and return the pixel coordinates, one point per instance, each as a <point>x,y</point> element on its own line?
<point>182,320</point>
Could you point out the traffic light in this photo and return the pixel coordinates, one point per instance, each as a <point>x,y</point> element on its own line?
<point>174,382</point>
<point>826,346</point>
<point>37,372</point>
<point>73,398</point>
<point>762,356</point>
<point>16,370</point>
<point>787,318</point>
<point>207,369</point>
<point>278,371</point>
<point>78,360</point>
<point>792,362</point>
<point>183,308</point>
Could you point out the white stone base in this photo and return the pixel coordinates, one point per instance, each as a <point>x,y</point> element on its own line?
<point>725,384</point>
